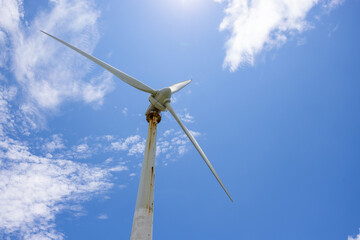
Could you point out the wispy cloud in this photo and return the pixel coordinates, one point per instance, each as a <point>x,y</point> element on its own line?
<point>255,25</point>
<point>170,143</point>
<point>331,4</point>
<point>119,168</point>
<point>55,143</point>
<point>34,189</point>
<point>103,216</point>
<point>333,30</point>
<point>125,111</point>
<point>357,237</point>
<point>174,144</point>
<point>13,119</point>
<point>186,117</point>
<point>127,143</point>
<point>6,118</point>
<point>49,73</point>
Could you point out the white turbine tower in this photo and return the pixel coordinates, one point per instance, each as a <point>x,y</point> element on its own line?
<point>159,101</point>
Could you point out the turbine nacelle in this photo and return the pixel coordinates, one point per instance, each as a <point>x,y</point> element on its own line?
<point>159,100</point>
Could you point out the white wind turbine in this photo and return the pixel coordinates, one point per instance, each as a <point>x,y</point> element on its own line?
<point>159,101</point>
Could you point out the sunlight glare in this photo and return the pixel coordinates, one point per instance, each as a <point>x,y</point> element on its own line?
<point>187,3</point>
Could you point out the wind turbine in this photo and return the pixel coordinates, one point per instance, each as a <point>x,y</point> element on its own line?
<point>159,102</point>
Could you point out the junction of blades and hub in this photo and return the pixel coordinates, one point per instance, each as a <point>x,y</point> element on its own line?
<point>159,100</point>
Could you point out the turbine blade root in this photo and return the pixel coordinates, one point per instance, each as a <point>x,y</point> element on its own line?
<point>178,86</point>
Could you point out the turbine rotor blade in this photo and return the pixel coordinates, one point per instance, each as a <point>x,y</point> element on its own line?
<point>123,76</point>
<point>178,86</point>
<point>197,146</point>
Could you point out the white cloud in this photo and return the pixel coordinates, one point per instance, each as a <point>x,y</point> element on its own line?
<point>125,144</point>
<point>119,168</point>
<point>125,111</point>
<point>34,189</point>
<point>55,143</point>
<point>80,151</point>
<point>103,216</point>
<point>354,238</point>
<point>82,148</point>
<point>32,117</point>
<point>6,119</point>
<point>332,4</point>
<point>10,15</point>
<point>109,160</point>
<point>179,140</point>
<point>174,99</point>
<point>182,149</point>
<point>170,144</point>
<point>174,144</point>
<point>162,147</point>
<point>168,132</point>
<point>333,30</point>
<point>98,87</point>
<point>255,25</point>
<point>90,146</point>
<point>11,116</point>
<point>48,72</point>
<point>187,118</point>
<point>137,148</point>
<point>195,133</point>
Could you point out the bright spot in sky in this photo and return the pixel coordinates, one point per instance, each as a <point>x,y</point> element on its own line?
<point>188,4</point>
<point>185,2</point>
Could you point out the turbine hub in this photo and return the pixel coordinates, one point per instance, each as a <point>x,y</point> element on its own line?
<point>163,96</point>
<point>160,98</point>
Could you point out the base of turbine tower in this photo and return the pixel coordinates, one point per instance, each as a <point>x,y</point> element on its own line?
<point>142,227</point>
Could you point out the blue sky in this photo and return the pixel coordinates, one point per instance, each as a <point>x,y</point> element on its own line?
<point>274,103</point>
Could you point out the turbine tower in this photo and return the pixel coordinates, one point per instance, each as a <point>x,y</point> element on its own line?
<point>159,102</point>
